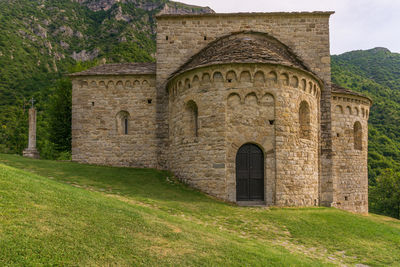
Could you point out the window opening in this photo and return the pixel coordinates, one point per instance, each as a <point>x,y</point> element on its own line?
<point>305,120</point>
<point>126,126</point>
<point>357,136</point>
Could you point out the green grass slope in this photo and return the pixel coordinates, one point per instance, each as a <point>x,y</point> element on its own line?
<point>63,213</point>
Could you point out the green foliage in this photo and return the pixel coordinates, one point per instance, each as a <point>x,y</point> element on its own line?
<point>64,155</point>
<point>385,195</point>
<point>60,116</point>
<point>129,52</point>
<point>14,129</point>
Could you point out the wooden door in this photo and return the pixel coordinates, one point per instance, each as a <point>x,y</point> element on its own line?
<point>249,173</point>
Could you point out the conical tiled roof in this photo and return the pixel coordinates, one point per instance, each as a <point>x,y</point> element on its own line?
<point>341,90</point>
<point>244,47</point>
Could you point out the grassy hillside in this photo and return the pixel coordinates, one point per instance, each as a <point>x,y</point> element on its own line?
<point>63,213</point>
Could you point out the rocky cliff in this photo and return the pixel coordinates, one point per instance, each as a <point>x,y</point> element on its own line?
<point>179,8</point>
<point>168,7</point>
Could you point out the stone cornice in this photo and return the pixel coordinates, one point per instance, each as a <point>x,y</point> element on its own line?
<point>245,14</point>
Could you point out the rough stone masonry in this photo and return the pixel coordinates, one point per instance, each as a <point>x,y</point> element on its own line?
<point>31,151</point>
<point>240,106</point>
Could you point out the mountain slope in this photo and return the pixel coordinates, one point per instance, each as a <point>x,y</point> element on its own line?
<point>38,38</point>
<point>42,40</point>
<point>378,64</point>
<point>63,213</point>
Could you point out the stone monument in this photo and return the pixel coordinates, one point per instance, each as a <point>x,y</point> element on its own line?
<point>31,151</point>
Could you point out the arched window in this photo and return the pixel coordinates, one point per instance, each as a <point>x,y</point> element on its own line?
<point>357,136</point>
<point>305,120</point>
<point>123,122</point>
<point>193,118</point>
<point>125,130</point>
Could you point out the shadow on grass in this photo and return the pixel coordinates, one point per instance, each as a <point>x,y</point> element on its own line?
<point>139,183</point>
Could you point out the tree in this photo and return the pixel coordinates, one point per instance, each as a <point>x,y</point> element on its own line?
<point>385,195</point>
<point>14,129</point>
<point>60,116</point>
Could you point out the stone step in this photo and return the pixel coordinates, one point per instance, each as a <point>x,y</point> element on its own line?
<point>254,203</point>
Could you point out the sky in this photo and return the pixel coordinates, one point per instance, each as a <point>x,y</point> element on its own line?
<point>356,24</point>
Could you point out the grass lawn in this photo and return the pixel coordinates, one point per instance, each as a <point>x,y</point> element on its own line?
<point>64,213</point>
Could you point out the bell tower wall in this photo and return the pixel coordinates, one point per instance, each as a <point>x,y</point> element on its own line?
<point>350,152</point>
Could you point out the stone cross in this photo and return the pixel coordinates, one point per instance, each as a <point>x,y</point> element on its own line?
<point>32,101</point>
<point>31,151</point>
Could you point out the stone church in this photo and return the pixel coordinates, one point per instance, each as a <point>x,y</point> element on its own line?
<point>240,106</point>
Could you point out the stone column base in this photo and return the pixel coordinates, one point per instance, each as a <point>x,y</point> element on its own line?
<point>31,153</point>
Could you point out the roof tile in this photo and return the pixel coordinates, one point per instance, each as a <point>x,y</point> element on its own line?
<point>119,69</point>
<point>243,47</point>
<point>341,90</point>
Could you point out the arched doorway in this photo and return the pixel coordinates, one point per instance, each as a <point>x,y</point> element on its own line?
<point>249,173</point>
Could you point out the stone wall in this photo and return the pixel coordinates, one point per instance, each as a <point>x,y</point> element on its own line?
<point>179,37</point>
<point>239,104</point>
<point>350,152</point>
<point>198,160</point>
<point>100,105</point>
<point>307,34</point>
